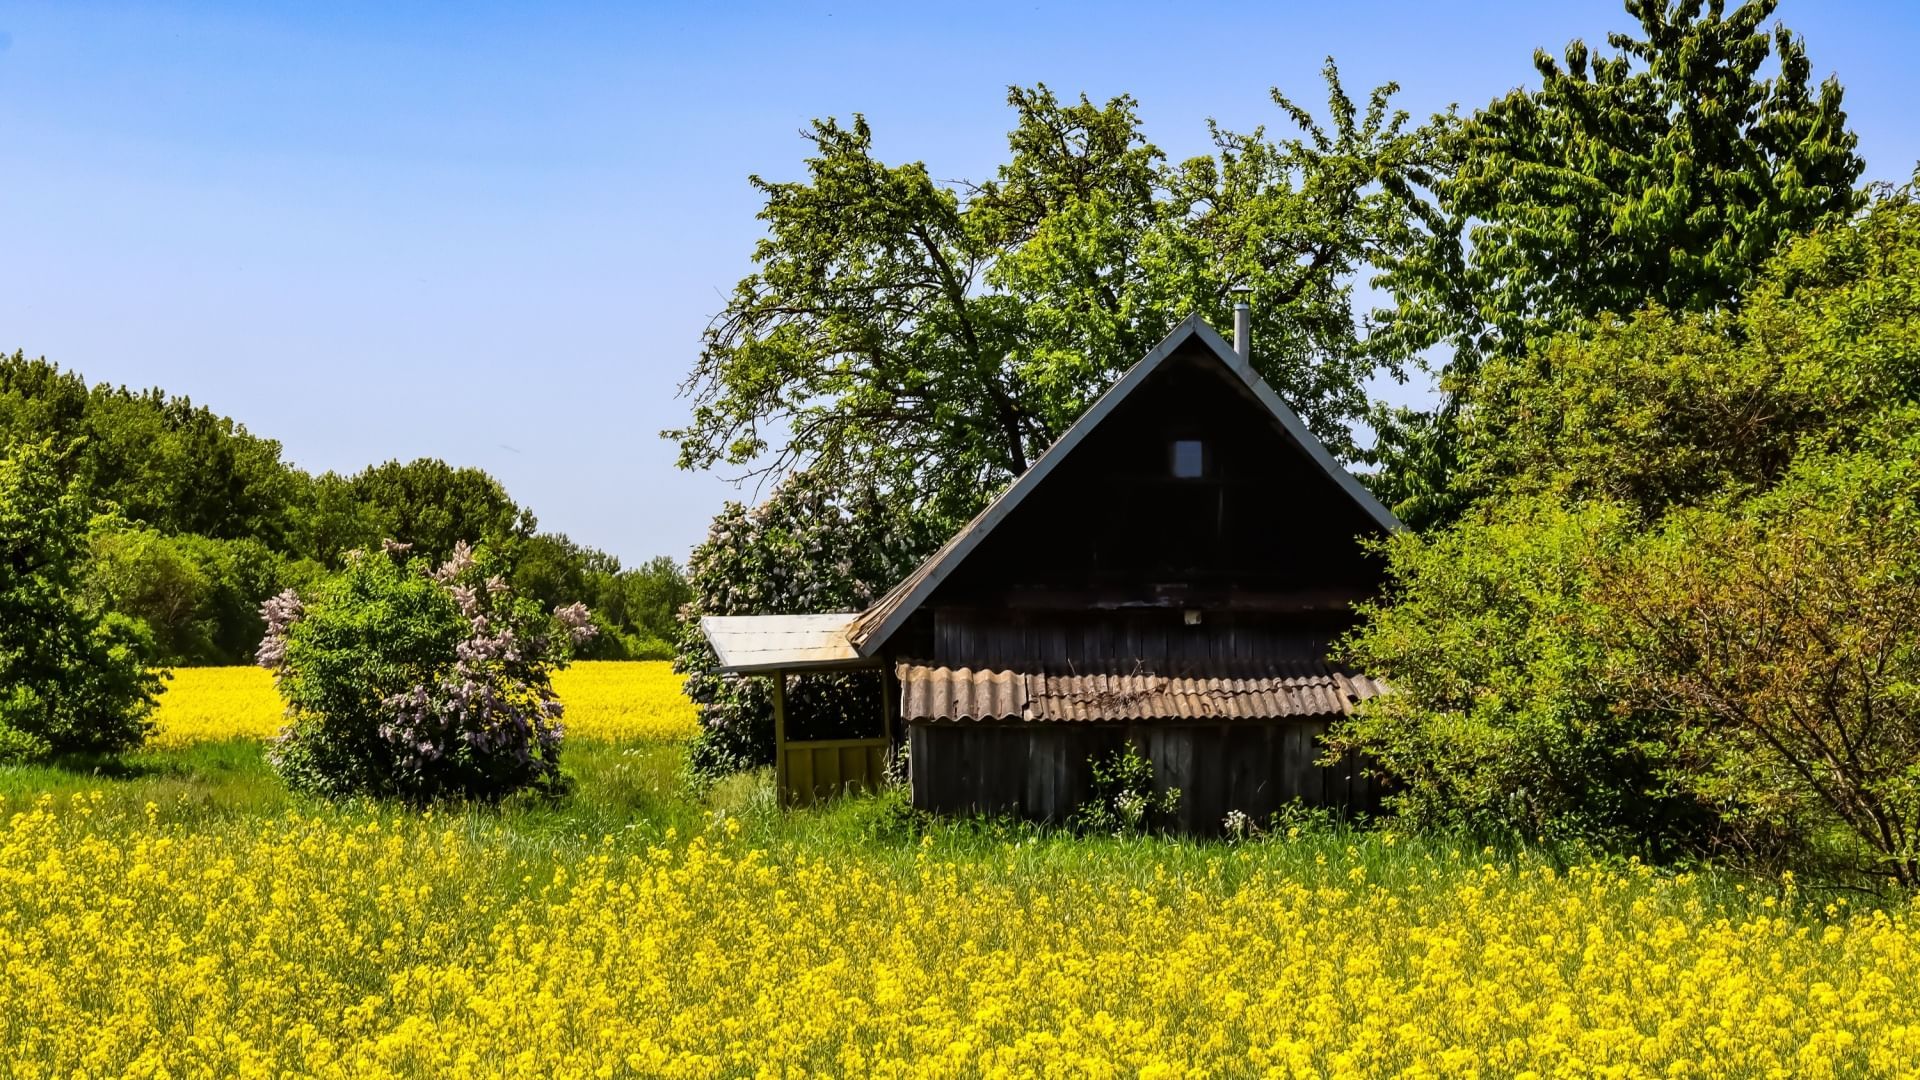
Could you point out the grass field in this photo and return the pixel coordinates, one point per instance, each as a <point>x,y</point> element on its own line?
<point>182,915</point>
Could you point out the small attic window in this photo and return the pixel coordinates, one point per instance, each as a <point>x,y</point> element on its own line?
<point>1189,459</point>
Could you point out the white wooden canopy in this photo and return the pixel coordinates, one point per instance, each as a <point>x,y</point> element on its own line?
<point>750,643</point>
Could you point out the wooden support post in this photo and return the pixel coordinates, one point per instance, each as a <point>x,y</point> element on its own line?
<point>779,679</point>
<point>886,704</point>
<point>886,722</point>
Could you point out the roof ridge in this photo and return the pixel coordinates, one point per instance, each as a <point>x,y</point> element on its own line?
<point>873,627</point>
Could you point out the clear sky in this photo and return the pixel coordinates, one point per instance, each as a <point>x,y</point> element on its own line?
<point>493,234</point>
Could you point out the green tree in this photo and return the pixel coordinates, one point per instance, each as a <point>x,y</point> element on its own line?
<point>1666,172</point>
<point>207,521</point>
<point>935,339</point>
<point>1666,409</point>
<point>1677,506</point>
<point>160,459</point>
<point>72,679</point>
<point>648,598</point>
<point>198,598</point>
<point>332,519</point>
<point>433,506</point>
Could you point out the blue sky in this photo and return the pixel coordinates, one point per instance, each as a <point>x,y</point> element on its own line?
<point>493,234</point>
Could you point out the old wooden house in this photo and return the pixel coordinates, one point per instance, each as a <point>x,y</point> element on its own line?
<point>1170,572</point>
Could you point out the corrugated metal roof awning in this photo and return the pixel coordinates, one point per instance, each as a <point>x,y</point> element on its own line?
<point>748,643</point>
<point>1284,690</point>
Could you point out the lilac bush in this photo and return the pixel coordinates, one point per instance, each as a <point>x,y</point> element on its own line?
<point>419,682</point>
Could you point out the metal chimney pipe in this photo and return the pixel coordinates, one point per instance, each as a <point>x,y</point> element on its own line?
<point>1243,327</point>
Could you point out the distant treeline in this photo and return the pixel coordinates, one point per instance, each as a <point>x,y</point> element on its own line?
<point>198,520</point>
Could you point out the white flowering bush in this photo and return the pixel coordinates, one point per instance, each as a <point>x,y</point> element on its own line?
<point>811,547</point>
<point>1123,799</point>
<point>409,681</point>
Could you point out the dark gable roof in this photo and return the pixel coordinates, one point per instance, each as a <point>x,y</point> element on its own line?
<point>869,633</point>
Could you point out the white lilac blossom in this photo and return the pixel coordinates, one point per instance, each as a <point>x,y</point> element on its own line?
<point>280,612</point>
<point>391,546</point>
<point>456,564</point>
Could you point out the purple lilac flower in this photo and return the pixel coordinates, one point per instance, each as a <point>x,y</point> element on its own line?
<point>280,613</point>
<point>468,599</point>
<point>577,620</point>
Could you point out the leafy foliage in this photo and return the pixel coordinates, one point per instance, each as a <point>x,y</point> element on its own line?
<point>1665,409</point>
<point>1124,800</point>
<point>809,548</point>
<point>161,460</point>
<point>201,520</point>
<point>1681,615</point>
<point>1665,172</point>
<point>434,506</point>
<point>72,679</point>
<point>933,340</point>
<point>1506,717</point>
<point>418,683</point>
<point>1785,639</point>
<point>198,597</point>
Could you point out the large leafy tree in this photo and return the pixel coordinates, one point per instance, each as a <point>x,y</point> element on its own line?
<point>1666,171</point>
<point>934,339</point>
<point>1663,409</point>
<point>72,678</point>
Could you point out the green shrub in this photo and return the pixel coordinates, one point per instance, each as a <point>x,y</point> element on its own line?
<point>1507,718</point>
<point>1783,638</point>
<point>72,679</point>
<point>1123,797</point>
<point>418,683</point>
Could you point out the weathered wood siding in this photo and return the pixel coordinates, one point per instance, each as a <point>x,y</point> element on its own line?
<point>1156,641</point>
<point>1110,528</point>
<point>1043,772</point>
<point>813,772</point>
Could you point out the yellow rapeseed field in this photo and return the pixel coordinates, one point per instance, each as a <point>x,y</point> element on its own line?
<point>609,700</point>
<point>619,701</point>
<point>337,944</point>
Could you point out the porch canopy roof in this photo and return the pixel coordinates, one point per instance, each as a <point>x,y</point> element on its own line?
<point>764,643</point>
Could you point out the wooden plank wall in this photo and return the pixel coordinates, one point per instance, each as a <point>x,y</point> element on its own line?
<point>1153,641</point>
<point>1043,772</point>
<point>815,771</point>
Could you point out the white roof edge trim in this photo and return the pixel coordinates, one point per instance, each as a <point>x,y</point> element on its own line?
<point>746,644</point>
<point>1004,504</point>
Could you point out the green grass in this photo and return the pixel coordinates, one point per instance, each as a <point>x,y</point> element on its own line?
<point>637,794</point>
